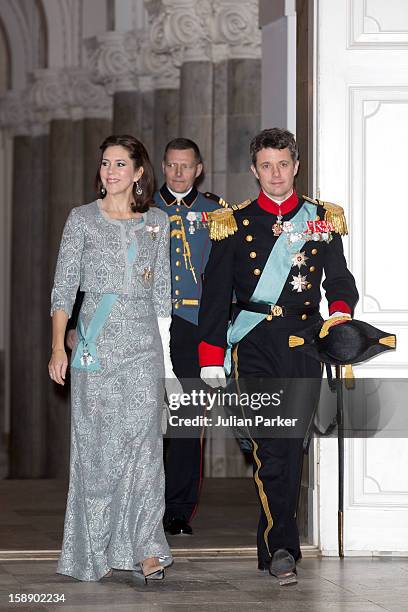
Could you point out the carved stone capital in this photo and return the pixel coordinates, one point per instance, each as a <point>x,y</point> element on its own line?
<point>14,113</point>
<point>67,94</point>
<point>205,29</point>
<point>181,28</point>
<point>110,61</point>
<point>236,33</point>
<point>17,116</point>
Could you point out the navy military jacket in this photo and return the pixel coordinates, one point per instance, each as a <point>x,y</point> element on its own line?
<point>236,263</point>
<point>190,246</point>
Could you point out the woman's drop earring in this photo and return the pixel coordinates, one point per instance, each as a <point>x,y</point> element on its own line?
<point>103,191</point>
<point>139,190</point>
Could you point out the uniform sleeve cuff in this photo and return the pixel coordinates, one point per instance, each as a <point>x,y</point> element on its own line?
<point>339,306</point>
<point>210,355</point>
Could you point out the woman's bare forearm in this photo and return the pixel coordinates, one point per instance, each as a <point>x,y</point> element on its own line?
<point>59,325</point>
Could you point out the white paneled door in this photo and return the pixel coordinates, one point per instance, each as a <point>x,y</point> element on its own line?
<point>362,163</point>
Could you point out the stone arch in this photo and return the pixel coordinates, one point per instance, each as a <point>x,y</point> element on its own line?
<point>24,30</point>
<point>5,65</point>
<point>18,37</point>
<point>63,19</point>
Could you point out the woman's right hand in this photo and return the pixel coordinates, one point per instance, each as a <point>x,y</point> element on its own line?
<point>57,366</point>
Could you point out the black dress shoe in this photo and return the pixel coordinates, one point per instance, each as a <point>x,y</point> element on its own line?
<point>283,567</point>
<point>263,566</point>
<point>177,526</point>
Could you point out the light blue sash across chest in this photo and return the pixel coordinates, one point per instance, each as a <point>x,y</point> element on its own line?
<point>86,357</point>
<point>270,283</point>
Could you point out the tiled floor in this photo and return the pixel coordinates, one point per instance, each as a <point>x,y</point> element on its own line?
<point>230,585</point>
<point>31,518</point>
<point>32,515</point>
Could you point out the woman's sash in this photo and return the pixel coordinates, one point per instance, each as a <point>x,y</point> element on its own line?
<point>86,357</point>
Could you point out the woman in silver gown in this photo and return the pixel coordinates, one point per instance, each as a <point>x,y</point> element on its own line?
<point>116,250</point>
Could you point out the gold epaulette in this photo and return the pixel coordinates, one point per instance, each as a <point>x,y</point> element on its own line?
<point>221,223</point>
<point>334,214</point>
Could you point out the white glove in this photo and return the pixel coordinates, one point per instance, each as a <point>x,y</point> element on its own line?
<point>171,383</point>
<point>213,376</point>
<point>339,314</point>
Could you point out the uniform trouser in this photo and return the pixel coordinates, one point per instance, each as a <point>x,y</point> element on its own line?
<point>261,357</point>
<point>184,455</point>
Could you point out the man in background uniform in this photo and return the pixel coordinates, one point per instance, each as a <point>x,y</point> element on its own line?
<point>188,211</point>
<point>272,252</point>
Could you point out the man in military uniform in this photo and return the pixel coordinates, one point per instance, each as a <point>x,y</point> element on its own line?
<point>272,252</point>
<point>188,211</point>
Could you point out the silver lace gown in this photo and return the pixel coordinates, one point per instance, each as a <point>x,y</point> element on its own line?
<point>115,501</point>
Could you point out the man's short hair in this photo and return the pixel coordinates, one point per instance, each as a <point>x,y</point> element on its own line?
<point>274,138</point>
<point>181,144</point>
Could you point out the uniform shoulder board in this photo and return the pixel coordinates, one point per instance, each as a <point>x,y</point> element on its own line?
<point>334,214</point>
<point>221,222</point>
<point>215,198</point>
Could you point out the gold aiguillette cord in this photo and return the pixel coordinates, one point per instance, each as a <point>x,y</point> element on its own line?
<point>186,247</point>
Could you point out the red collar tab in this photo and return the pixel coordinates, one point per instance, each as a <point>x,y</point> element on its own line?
<point>273,207</point>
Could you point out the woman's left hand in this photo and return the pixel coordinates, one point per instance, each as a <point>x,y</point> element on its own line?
<point>57,366</point>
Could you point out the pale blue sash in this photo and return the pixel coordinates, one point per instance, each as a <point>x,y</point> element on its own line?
<point>270,283</point>
<point>86,357</point>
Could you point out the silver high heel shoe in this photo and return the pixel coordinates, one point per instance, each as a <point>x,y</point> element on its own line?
<point>152,573</point>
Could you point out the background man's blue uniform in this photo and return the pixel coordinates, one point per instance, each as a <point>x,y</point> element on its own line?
<point>190,247</point>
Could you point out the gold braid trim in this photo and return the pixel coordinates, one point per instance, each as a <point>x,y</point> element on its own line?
<point>390,341</point>
<point>349,380</point>
<point>296,341</point>
<point>181,232</point>
<point>221,222</point>
<point>334,214</point>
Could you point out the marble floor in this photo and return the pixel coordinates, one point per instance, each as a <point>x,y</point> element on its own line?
<point>218,585</point>
<point>215,569</point>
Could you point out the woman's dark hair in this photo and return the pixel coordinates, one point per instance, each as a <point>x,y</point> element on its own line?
<point>140,157</point>
<point>274,138</point>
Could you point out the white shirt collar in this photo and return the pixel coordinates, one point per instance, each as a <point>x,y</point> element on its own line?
<point>179,196</point>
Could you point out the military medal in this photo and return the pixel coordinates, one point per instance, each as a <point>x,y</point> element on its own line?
<point>277,227</point>
<point>298,283</point>
<point>193,220</point>
<point>299,259</point>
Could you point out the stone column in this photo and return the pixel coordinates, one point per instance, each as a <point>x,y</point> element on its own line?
<point>65,190</point>
<point>196,111</point>
<point>117,61</point>
<point>166,125</point>
<point>243,122</point>
<point>95,130</point>
<point>29,316</point>
<point>186,28</point>
<point>79,114</point>
<point>237,108</point>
